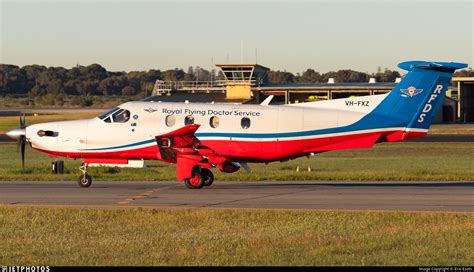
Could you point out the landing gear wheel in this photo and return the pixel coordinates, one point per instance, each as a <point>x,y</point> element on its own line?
<point>195,182</point>
<point>207,176</point>
<point>85,180</point>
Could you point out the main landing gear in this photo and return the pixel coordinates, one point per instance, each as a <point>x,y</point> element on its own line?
<point>201,178</point>
<point>84,180</point>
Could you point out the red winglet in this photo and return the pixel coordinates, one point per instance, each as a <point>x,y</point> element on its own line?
<point>187,130</point>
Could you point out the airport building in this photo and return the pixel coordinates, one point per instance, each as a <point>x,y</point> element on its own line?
<point>248,83</point>
<point>464,95</point>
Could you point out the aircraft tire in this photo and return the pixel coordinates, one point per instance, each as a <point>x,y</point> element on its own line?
<point>195,182</point>
<point>207,176</point>
<point>85,181</point>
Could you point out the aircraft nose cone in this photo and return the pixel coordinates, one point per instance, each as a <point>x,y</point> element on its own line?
<point>16,133</point>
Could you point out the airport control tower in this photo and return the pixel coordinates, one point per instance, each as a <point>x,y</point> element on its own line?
<point>240,78</point>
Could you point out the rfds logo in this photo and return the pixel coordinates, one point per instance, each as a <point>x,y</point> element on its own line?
<point>411,91</point>
<point>429,105</point>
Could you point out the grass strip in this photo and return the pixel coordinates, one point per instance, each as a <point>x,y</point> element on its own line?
<point>78,236</point>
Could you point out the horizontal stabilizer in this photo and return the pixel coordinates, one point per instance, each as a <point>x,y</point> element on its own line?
<point>437,66</point>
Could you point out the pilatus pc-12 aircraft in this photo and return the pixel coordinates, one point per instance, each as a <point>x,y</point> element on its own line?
<point>198,137</point>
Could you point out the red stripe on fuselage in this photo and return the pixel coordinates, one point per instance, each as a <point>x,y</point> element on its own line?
<point>149,152</point>
<point>260,150</point>
<point>278,150</point>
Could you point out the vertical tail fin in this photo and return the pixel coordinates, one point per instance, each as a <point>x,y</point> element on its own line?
<point>413,103</point>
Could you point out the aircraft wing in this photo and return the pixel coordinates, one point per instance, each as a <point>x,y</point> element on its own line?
<point>182,147</point>
<point>182,137</point>
<point>181,140</point>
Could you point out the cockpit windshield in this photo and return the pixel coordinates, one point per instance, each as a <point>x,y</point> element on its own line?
<point>115,115</point>
<point>107,113</point>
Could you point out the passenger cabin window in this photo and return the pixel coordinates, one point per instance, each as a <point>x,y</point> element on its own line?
<point>245,123</point>
<point>170,120</point>
<point>121,116</point>
<point>188,120</point>
<point>214,121</point>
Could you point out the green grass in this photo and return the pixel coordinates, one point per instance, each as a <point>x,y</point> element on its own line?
<point>12,101</point>
<point>60,236</point>
<point>10,122</point>
<point>385,162</point>
<point>452,129</point>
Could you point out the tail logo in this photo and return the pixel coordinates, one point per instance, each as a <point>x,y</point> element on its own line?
<point>429,105</point>
<point>411,91</point>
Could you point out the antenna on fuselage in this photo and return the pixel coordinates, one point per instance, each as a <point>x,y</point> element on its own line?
<point>267,100</point>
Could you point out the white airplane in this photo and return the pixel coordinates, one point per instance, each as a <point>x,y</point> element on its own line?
<point>198,137</point>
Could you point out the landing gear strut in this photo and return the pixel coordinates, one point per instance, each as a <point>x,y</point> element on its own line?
<point>84,180</point>
<point>202,177</point>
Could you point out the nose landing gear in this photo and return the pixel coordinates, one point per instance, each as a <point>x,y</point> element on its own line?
<point>84,180</point>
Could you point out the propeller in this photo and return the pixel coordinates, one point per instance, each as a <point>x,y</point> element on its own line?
<point>22,140</point>
<point>22,120</point>
<point>20,135</point>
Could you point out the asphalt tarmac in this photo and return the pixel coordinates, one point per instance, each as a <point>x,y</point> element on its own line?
<point>330,195</point>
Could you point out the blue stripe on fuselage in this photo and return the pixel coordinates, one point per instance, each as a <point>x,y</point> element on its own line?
<point>120,146</point>
<point>358,126</point>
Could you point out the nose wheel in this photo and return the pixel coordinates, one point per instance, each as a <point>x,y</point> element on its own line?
<point>84,180</point>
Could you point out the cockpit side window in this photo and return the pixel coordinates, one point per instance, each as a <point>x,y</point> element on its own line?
<point>107,113</point>
<point>115,115</point>
<point>121,116</point>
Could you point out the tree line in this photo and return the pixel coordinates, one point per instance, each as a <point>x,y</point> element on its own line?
<point>38,80</point>
<point>95,80</point>
<point>347,75</point>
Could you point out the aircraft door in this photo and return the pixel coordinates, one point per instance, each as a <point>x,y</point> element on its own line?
<point>254,129</point>
<point>290,120</point>
<point>116,129</point>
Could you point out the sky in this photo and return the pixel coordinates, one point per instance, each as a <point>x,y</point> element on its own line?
<point>281,35</point>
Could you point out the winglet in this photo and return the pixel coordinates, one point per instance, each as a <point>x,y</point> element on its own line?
<point>183,131</point>
<point>267,100</point>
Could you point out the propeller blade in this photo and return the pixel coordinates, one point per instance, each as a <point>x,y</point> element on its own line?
<point>23,144</point>
<point>18,145</point>
<point>22,120</point>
